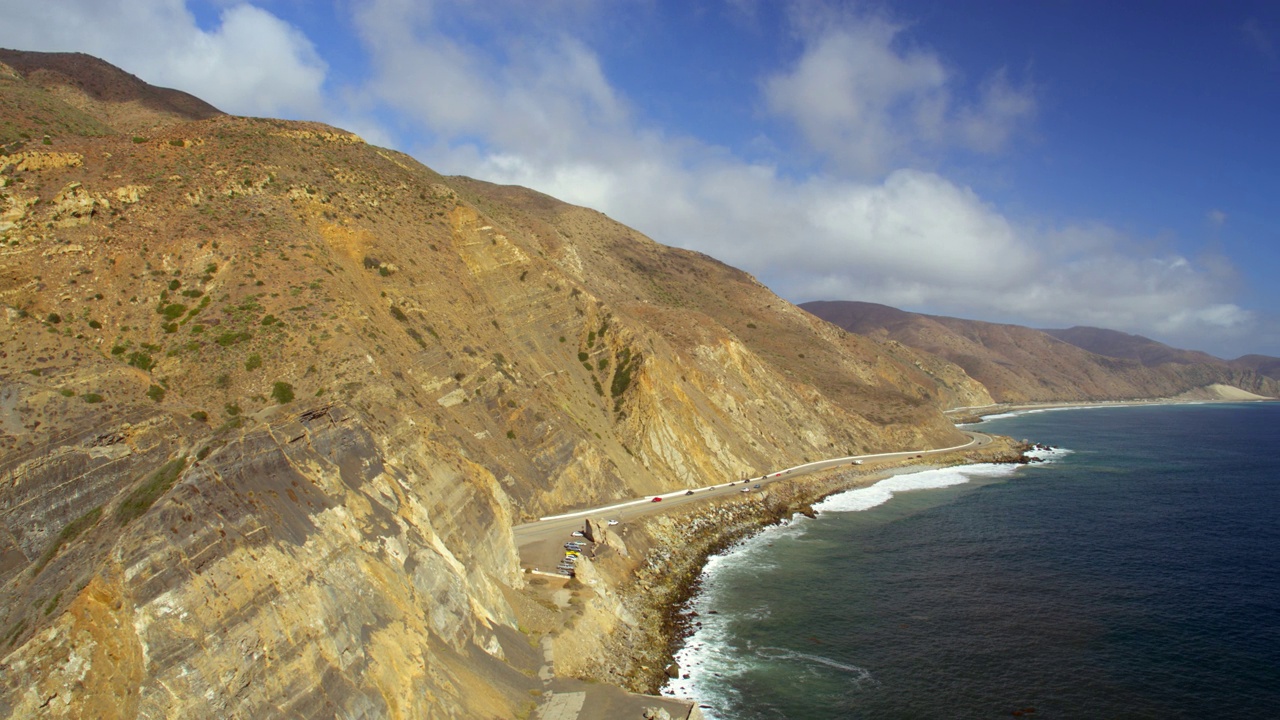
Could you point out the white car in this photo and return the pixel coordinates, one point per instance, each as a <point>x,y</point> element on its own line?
<point>613,522</point>
<point>578,533</point>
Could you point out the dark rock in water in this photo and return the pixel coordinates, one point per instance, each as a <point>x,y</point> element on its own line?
<point>673,671</point>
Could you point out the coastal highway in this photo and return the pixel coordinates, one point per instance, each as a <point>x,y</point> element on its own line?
<point>541,542</point>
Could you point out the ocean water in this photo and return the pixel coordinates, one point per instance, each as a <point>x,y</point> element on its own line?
<point>1134,574</point>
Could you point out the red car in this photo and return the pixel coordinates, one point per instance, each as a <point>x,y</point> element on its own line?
<point>657,499</point>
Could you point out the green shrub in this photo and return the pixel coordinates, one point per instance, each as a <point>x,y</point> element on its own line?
<point>228,339</point>
<point>232,409</point>
<point>156,393</point>
<point>67,392</point>
<point>138,139</point>
<point>253,362</point>
<point>141,360</point>
<point>511,434</point>
<point>269,320</point>
<point>95,324</point>
<point>54,318</point>
<point>144,496</point>
<point>622,378</point>
<point>175,284</point>
<point>118,349</point>
<point>92,398</point>
<point>176,142</point>
<point>582,356</point>
<point>173,312</point>
<point>398,314</point>
<point>70,532</point>
<point>282,392</point>
<point>201,416</point>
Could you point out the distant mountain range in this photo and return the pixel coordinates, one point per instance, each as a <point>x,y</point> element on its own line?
<point>1021,364</point>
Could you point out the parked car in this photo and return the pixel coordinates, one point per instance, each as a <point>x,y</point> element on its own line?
<point>613,522</point>
<point>745,490</point>
<point>578,533</point>
<point>757,487</point>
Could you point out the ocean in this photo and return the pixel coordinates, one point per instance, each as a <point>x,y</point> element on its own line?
<point>1133,574</point>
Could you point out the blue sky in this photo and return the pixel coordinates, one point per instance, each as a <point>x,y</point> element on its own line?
<point>1046,163</point>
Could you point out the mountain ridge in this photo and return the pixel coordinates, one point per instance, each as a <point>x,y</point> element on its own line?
<point>1020,364</point>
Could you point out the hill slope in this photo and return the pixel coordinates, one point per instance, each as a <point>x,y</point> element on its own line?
<point>273,399</point>
<point>1019,364</point>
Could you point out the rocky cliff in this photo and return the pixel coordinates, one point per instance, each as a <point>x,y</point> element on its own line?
<point>271,400</point>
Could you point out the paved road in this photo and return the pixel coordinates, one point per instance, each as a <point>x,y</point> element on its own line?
<point>541,542</point>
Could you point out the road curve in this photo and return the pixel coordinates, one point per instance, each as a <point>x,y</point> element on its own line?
<point>540,541</point>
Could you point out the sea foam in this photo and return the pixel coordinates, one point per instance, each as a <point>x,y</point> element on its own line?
<point>880,493</point>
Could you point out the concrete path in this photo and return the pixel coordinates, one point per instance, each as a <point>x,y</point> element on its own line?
<point>562,706</point>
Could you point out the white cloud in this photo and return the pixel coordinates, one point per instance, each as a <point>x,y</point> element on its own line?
<point>1260,40</point>
<point>542,113</point>
<point>530,103</point>
<point>863,100</point>
<point>251,63</point>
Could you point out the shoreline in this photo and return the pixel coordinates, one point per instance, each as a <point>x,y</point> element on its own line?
<point>656,589</point>
<point>976,414</point>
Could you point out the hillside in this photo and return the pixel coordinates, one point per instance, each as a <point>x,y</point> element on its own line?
<point>1151,353</point>
<point>273,399</point>
<point>1018,364</point>
<point>1116,344</point>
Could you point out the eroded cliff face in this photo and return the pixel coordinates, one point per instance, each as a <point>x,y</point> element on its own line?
<point>293,570</point>
<point>272,400</point>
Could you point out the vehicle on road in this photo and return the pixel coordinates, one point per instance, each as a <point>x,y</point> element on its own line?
<point>657,499</point>
<point>690,492</point>
<point>856,462</point>
<point>613,522</point>
<point>757,487</point>
<point>745,490</point>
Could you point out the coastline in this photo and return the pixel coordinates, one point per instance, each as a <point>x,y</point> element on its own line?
<point>653,585</point>
<point>1201,396</point>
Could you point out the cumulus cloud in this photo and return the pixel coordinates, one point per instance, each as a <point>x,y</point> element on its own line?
<point>1260,40</point>
<point>863,98</point>
<point>490,90</point>
<point>251,63</point>
<point>536,109</point>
